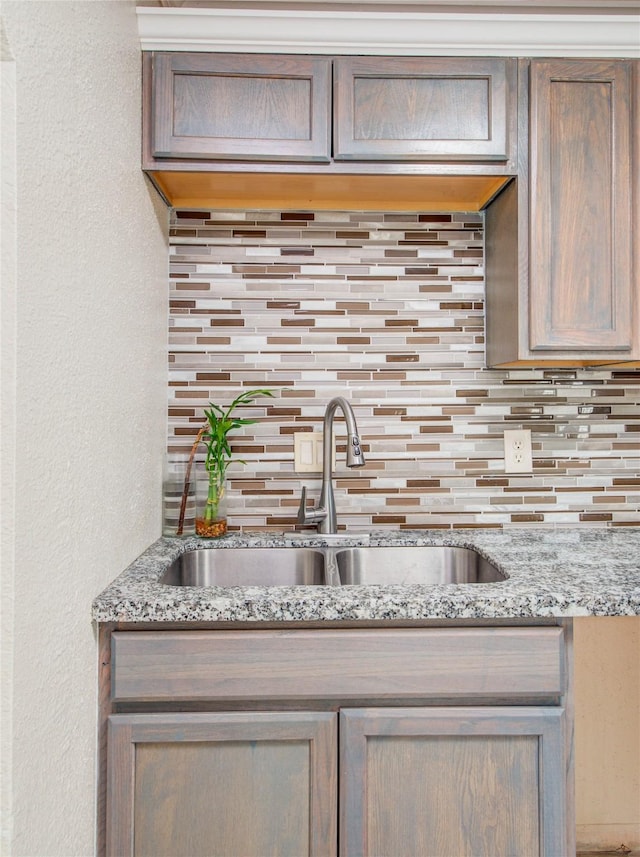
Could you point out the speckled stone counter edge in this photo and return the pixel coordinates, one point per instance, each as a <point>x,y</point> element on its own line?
<point>550,573</point>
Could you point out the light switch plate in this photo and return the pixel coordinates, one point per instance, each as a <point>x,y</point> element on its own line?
<point>307,452</point>
<point>517,451</point>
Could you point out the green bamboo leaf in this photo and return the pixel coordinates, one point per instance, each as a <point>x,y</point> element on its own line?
<point>221,423</point>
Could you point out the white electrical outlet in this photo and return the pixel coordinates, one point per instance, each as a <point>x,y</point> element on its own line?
<point>517,451</point>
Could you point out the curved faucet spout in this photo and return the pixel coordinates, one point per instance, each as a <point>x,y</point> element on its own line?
<point>324,514</point>
<point>355,458</point>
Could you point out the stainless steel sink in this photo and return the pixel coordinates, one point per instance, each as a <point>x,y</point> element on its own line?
<point>333,566</point>
<point>424,564</point>
<point>247,567</point>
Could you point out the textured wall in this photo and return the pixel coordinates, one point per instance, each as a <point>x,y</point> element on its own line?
<point>86,394</point>
<point>386,309</point>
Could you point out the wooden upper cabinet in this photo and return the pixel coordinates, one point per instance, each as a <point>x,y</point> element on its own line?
<point>562,251</point>
<point>240,106</point>
<point>581,228</point>
<point>427,109</point>
<point>222,130</point>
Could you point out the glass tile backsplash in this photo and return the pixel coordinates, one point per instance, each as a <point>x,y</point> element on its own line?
<point>387,310</point>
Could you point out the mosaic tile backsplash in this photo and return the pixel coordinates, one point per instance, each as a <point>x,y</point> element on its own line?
<point>386,310</point>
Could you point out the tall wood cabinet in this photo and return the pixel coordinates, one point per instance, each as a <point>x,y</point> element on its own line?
<point>338,741</point>
<point>562,254</point>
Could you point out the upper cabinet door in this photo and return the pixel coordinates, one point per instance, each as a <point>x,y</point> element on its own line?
<point>240,106</point>
<point>429,109</point>
<point>581,269</point>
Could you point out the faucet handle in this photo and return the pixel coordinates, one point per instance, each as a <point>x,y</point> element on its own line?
<point>312,517</point>
<point>302,508</point>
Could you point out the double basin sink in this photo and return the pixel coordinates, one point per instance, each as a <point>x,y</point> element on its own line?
<point>339,566</point>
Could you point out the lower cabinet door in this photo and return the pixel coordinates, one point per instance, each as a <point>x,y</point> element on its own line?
<point>238,784</point>
<point>452,782</point>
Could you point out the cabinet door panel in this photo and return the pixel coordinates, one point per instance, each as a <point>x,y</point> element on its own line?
<point>425,109</point>
<point>228,784</point>
<point>581,230</point>
<point>470,782</point>
<point>237,106</point>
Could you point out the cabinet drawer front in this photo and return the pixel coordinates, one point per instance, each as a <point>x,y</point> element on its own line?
<point>424,109</point>
<point>236,106</point>
<point>298,665</point>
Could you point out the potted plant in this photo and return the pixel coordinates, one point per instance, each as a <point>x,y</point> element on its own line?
<point>211,520</point>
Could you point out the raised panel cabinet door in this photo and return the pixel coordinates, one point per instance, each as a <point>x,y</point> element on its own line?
<point>431,109</point>
<point>581,267</point>
<point>438,782</point>
<point>241,106</point>
<point>240,783</point>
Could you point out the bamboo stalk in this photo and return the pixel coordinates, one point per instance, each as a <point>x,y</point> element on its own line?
<point>187,480</point>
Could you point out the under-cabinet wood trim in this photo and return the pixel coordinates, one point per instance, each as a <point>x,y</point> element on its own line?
<point>327,191</point>
<point>385,664</point>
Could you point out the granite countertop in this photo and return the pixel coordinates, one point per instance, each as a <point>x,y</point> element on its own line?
<point>551,573</point>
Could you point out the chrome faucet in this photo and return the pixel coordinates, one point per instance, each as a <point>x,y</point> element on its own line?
<point>324,514</point>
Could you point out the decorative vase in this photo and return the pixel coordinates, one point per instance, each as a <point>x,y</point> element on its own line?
<point>178,499</point>
<point>211,505</point>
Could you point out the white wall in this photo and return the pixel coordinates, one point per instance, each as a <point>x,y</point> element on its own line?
<point>83,384</point>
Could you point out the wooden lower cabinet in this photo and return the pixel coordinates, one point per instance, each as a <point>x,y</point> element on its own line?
<point>452,781</point>
<point>234,783</point>
<point>474,768</point>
